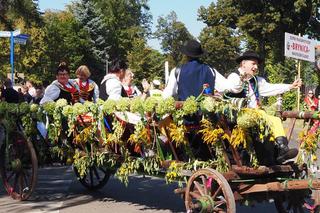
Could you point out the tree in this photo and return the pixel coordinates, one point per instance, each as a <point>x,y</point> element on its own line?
<point>221,41</point>
<point>10,10</point>
<point>263,23</point>
<point>173,35</point>
<point>126,20</point>
<point>145,62</point>
<point>89,17</point>
<point>66,41</point>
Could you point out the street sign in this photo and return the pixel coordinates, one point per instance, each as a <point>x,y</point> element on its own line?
<point>21,39</point>
<point>299,48</point>
<point>16,32</point>
<point>8,33</point>
<point>5,33</point>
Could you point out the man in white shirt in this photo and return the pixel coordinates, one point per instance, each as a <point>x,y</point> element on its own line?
<point>245,84</point>
<point>111,87</point>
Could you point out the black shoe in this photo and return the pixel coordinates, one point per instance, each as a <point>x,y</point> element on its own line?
<point>284,153</point>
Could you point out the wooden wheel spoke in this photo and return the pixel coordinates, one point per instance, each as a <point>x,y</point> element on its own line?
<point>199,187</point>
<point>10,176</point>
<point>204,182</point>
<point>103,170</point>
<point>219,203</point>
<point>216,192</point>
<point>96,173</point>
<point>25,179</point>
<point>195,195</point>
<point>15,182</point>
<point>91,177</point>
<point>21,186</point>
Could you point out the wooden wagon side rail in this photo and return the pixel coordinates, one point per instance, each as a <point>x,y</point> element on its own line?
<point>278,186</point>
<point>300,115</point>
<point>263,170</point>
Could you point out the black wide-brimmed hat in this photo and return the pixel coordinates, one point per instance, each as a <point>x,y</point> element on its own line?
<point>247,55</point>
<point>193,49</point>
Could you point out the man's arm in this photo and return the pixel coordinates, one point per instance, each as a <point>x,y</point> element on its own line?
<point>172,86</point>
<point>268,89</point>
<point>50,94</point>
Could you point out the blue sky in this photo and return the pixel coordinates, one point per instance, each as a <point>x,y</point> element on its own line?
<point>186,11</point>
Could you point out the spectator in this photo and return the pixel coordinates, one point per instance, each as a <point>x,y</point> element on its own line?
<point>311,101</point>
<point>26,96</point>
<point>39,95</point>
<point>131,90</point>
<point>31,88</point>
<point>155,90</point>
<point>8,94</point>
<point>88,89</point>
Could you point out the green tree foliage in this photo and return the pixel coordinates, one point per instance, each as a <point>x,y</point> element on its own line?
<point>66,41</point>
<point>262,23</point>
<point>173,34</point>
<point>92,21</point>
<point>220,38</point>
<point>125,20</point>
<point>145,62</point>
<point>10,10</point>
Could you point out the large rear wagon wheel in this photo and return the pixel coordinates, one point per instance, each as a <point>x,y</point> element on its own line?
<point>208,191</point>
<point>18,166</point>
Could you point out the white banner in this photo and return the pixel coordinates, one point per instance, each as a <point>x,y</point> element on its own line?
<point>299,48</point>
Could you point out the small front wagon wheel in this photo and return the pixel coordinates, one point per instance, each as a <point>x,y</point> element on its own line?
<point>208,191</point>
<point>95,177</point>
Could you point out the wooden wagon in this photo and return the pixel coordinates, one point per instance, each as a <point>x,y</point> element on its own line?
<point>104,143</point>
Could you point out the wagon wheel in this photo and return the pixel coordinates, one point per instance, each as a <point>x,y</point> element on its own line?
<point>18,166</point>
<point>208,191</point>
<point>293,201</point>
<point>95,178</point>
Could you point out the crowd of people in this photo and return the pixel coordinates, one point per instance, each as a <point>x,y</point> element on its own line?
<point>184,81</point>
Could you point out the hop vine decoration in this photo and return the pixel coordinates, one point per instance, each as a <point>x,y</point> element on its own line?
<point>239,137</point>
<point>308,147</point>
<point>190,106</point>
<point>165,106</point>
<point>177,134</point>
<point>211,135</point>
<point>140,135</point>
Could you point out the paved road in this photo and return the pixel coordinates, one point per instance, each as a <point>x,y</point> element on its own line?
<point>58,191</point>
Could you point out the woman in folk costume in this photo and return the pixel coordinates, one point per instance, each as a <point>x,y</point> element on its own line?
<point>62,87</point>
<point>88,89</point>
<point>312,105</point>
<point>311,101</point>
<point>131,90</point>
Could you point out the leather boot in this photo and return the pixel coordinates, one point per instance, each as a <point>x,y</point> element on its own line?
<point>284,152</point>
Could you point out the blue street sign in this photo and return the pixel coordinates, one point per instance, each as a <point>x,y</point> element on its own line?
<point>22,36</point>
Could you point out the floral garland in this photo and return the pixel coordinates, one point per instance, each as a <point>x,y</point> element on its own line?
<point>97,141</point>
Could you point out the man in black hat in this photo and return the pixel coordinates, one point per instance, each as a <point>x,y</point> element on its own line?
<point>245,84</point>
<point>190,78</point>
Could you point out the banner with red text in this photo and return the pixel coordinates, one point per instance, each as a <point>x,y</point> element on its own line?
<point>299,48</point>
